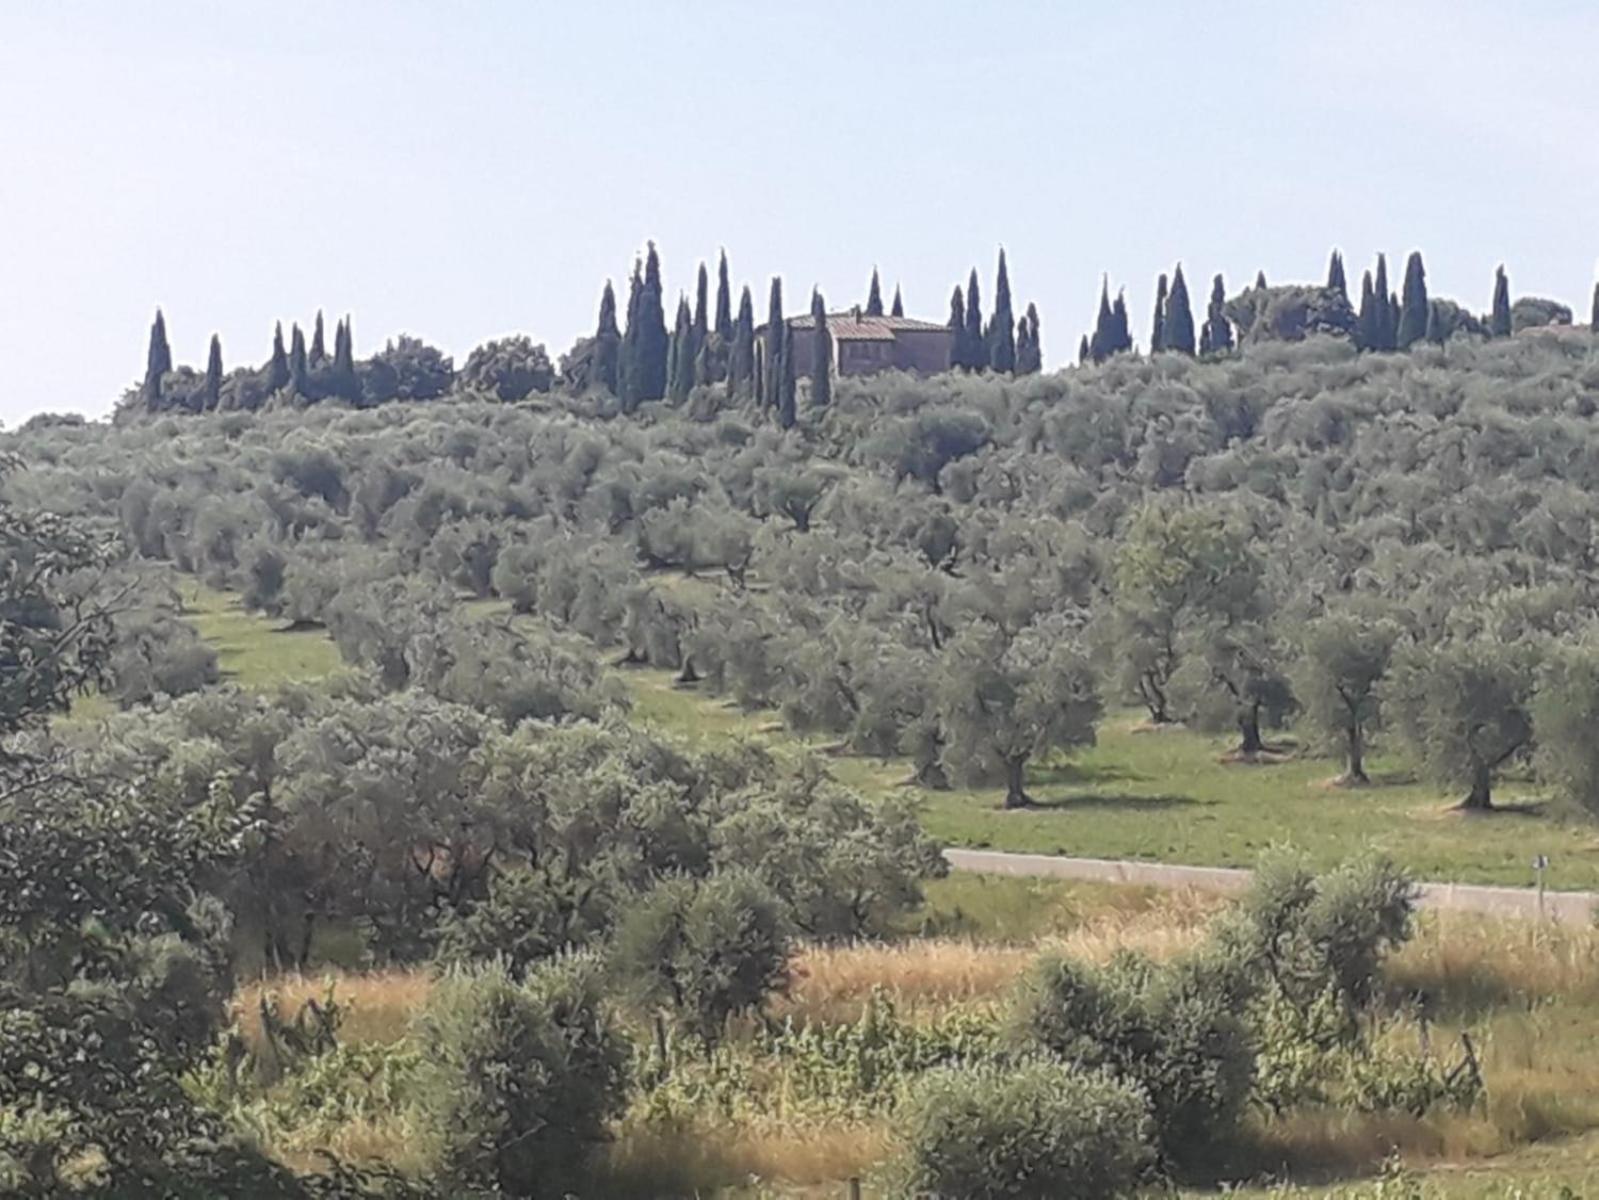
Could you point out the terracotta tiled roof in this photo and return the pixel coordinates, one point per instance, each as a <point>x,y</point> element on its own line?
<point>849,327</point>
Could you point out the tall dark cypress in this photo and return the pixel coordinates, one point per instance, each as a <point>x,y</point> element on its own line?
<point>1393,320</point>
<point>681,354</point>
<point>319,351</point>
<point>972,357</point>
<point>702,297</point>
<point>1593,320</point>
<point>299,368</point>
<point>1368,333</point>
<point>897,309</point>
<point>278,365</point>
<point>1499,321</point>
<point>724,301</point>
<point>1260,281</point>
<point>346,382</point>
<point>787,391</point>
<point>1001,341</point>
<point>157,361</point>
<point>1335,275</point>
<point>772,352</point>
<point>628,370</point>
<point>1217,335</point>
<point>1435,325</point>
<point>874,297</point>
<point>1414,309</point>
<point>1030,361</point>
<point>1099,346</point>
<point>821,353</point>
<point>213,375</point>
<point>1383,319</point>
<point>606,359</point>
<point>1123,328</point>
<point>1179,316</point>
<point>1082,350</point>
<point>741,358</point>
<point>957,328</point>
<point>1157,325</point>
<point>653,340</point>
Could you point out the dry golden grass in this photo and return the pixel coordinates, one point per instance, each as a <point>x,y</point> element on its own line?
<point>1468,963</point>
<point>377,1005</point>
<point>833,983</point>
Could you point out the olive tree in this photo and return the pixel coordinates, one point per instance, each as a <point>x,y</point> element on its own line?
<point>1465,708</point>
<point>1004,700</point>
<point>1343,660</point>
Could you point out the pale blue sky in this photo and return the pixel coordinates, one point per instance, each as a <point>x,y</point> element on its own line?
<point>461,170</point>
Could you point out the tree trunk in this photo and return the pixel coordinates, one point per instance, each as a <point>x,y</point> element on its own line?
<point>1355,773</point>
<point>1015,778</point>
<point>1480,798</point>
<point>1249,731</point>
<point>687,675</point>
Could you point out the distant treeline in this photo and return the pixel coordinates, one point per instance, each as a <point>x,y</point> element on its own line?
<point>638,359</point>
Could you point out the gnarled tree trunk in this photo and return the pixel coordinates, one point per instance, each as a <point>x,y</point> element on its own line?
<point>1480,798</point>
<point>1249,731</point>
<point>1015,780</point>
<point>1355,771</point>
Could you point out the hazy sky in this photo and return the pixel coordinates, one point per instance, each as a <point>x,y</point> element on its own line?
<point>461,170</point>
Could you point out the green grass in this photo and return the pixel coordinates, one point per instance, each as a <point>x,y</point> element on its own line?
<point>1157,796</point>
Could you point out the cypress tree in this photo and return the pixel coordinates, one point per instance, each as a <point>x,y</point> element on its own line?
<point>724,301</point>
<point>702,318</point>
<point>957,327</point>
<point>213,375</point>
<point>1413,312</point>
<point>157,361</point>
<point>1099,346</point>
<point>1499,321</point>
<point>1382,319</point>
<point>741,358</point>
<point>346,383</point>
<point>1001,341</point>
<point>1179,316</point>
<point>1082,350</point>
<point>787,393</point>
<point>278,366</point>
<point>298,367</point>
<point>1367,332</point>
<point>1393,320</point>
<point>821,353</point>
<point>1335,275</point>
<point>874,297</point>
<point>1032,361</point>
<point>653,341</point>
<point>1124,330</point>
<point>898,307</point>
<point>607,354</point>
<point>1157,327</point>
<point>1593,320</point>
<point>628,385</point>
<point>772,357</point>
<point>1217,335</point>
<point>973,358</point>
<point>319,350</point>
<point>680,354</point>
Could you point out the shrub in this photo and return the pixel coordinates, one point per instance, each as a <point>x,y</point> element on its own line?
<point>709,949</point>
<point>521,1077</point>
<point>510,368</point>
<point>1038,1130</point>
<point>1170,1030</point>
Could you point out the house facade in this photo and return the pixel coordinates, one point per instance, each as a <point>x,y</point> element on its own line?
<point>862,344</point>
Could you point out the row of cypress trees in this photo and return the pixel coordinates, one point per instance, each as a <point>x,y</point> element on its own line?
<point>291,367</point>
<point>1004,343</point>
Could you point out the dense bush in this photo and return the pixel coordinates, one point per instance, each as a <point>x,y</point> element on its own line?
<point>1172,1031</point>
<point>707,949</point>
<point>1035,1131</point>
<point>510,368</point>
<point>520,1078</point>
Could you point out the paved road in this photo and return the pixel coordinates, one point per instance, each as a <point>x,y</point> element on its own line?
<point>1576,907</point>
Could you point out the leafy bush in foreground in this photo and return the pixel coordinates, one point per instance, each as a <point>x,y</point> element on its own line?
<point>1039,1131</point>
